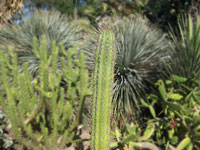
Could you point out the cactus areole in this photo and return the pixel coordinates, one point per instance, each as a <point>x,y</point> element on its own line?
<point>102,93</point>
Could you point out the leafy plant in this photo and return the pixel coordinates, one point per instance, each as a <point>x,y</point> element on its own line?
<point>178,118</point>
<point>102,94</point>
<point>52,24</point>
<point>132,137</point>
<point>41,112</point>
<point>185,60</point>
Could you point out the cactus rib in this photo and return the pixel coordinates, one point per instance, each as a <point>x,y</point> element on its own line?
<point>102,94</point>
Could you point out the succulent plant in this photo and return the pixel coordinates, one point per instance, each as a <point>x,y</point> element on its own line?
<point>52,24</point>
<point>142,51</point>
<point>44,115</point>
<point>102,92</point>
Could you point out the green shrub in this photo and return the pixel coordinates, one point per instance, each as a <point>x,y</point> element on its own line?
<point>185,60</point>
<point>132,137</point>
<point>52,24</point>
<point>176,109</point>
<point>142,50</point>
<point>42,113</point>
<point>141,53</point>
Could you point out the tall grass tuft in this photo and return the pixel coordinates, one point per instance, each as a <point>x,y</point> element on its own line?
<point>185,60</point>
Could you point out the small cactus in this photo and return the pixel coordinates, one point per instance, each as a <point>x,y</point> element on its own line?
<point>102,94</point>
<point>41,112</point>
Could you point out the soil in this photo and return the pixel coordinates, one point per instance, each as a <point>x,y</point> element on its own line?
<point>84,136</point>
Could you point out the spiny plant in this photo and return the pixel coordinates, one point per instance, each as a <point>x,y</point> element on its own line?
<point>141,53</point>
<point>102,94</point>
<point>43,114</point>
<point>52,24</point>
<point>185,60</point>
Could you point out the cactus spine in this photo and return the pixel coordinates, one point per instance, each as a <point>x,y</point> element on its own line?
<point>102,94</point>
<point>42,111</point>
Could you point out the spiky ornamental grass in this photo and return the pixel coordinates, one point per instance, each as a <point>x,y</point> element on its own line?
<point>186,48</point>
<point>142,51</point>
<point>52,24</point>
<point>55,27</point>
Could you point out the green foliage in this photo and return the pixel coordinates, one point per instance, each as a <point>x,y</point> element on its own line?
<point>161,12</point>
<point>133,137</point>
<point>102,94</point>
<point>128,8</point>
<point>142,52</point>
<point>43,114</point>
<point>52,24</point>
<point>89,10</point>
<point>94,10</point>
<point>165,12</point>
<point>178,118</point>
<point>183,144</point>
<point>62,6</point>
<point>186,49</point>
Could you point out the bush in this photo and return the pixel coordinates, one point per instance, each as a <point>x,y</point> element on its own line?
<point>141,54</point>
<point>142,50</point>
<point>185,60</point>
<point>43,114</point>
<point>132,137</point>
<point>52,24</point>
<point>176,109</point>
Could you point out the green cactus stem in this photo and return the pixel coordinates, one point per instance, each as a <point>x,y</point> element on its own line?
<point>42,111</point>
<point>102,94</point>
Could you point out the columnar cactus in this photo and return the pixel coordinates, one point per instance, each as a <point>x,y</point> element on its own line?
<point>102,94</point>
